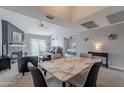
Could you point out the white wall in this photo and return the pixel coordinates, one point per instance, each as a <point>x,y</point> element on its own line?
<point>59,37</point>
<point>28,37</point>
<point>115,48</point>
<point>71,41</point>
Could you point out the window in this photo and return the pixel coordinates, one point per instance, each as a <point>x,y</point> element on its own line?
<point>37,46</point>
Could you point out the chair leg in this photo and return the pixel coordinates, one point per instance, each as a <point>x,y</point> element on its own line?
<point>63,84</point>
<point>10,67</point>
<point>23,74</point>
<point>70,85</point>
<point>95,85</point>
<point>44,72</point>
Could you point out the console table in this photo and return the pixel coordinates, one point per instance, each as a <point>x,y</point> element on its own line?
<point>5,63</point>
<point>101,54</point>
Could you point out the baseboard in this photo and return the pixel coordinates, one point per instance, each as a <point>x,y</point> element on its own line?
<point>116,68</point>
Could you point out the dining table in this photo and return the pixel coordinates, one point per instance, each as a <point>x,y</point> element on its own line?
<point>65,68</point>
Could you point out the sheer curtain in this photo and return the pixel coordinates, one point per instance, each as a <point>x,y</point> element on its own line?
<point>37,46</point>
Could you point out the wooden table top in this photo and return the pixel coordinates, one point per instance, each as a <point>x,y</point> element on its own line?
<point>65,68</point>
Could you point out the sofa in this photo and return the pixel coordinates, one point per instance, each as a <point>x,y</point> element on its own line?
<point>71,51</point>
<point>22,63</point>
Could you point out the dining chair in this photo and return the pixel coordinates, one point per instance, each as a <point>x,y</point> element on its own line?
<point>56,56</point>
<point>87,79</point>
<point>85,55</point>
<point>38,77</point>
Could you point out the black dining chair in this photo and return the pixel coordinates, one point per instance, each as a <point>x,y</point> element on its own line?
<point>89,80</point>
<point>38,78</point>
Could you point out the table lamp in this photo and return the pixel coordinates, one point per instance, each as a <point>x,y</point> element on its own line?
<point>98,47</point>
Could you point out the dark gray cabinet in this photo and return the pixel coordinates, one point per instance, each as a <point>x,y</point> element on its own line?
<point>5,63</point>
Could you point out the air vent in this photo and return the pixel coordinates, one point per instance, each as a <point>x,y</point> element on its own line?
<point>89,25</point>
<point>116,17</point>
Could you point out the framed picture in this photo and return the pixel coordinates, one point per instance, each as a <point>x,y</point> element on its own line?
<point>17,37</point>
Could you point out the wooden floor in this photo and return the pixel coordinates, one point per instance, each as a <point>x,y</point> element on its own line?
<point>106,78</point>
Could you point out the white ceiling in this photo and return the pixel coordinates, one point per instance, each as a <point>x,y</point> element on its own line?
<point>61,13</point>
<point>70,13</point>
<point>99,17</point>
<point>67,16</point>
<point>28,24</point>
